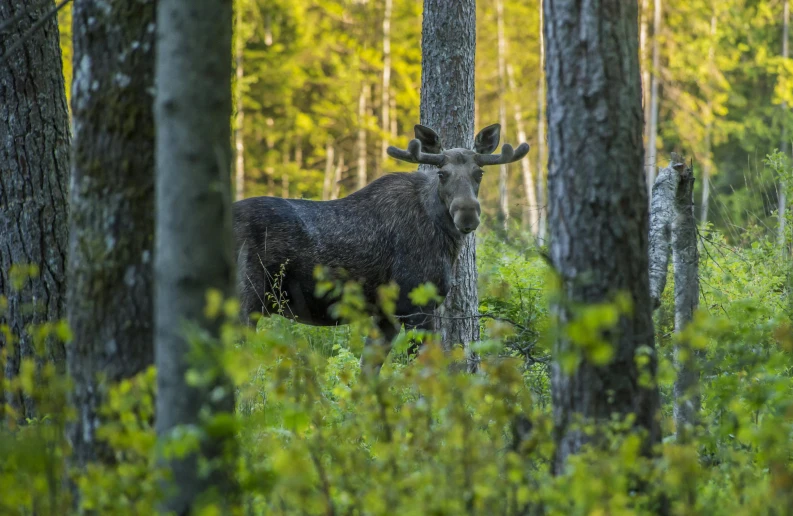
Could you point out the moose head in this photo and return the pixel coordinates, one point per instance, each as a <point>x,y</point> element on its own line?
<point>459,171</point>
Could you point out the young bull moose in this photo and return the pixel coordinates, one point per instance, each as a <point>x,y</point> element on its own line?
<point>403,227</point>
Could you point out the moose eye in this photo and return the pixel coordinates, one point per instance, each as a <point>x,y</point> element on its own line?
<point>478,175</point>
<point>442,175</point>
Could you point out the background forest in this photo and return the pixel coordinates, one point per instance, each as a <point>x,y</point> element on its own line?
<point>324,86</point>
<point>286,423</point>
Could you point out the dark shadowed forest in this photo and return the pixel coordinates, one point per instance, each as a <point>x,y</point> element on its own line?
<point>375,257</point>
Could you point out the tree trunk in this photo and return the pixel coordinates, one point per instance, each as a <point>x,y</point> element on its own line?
<point>110,266</point>
<point>685,260</point>
<point>542,162</point>
<point>239,123</point>
<point>708,129</point>
<point>285,175</point>
<point>530,216</point>
<point>328,182</point>
<point>394,128</point>
<point>334,194</point>
<point>365,92</point>
<point>598,214</point>
<point>386,90</point>
<point>34,177</point>
<point>783,144</point>
<point>194,246</point>
<point>447,106</point>
<point>503,170</point>
<point>652,132</point>
<point>643,65</point>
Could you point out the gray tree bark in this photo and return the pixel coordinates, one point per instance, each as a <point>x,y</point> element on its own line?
<point>111,235</point>
<point>598,212</point>
<point>685,260</point>
<point>673,228</point>
<point>194,244</point>
<point>34,172</point>
<point>448,48</point>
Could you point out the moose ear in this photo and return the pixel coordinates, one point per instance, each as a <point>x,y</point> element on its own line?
<point>430,141</point>
<point>487,139</point>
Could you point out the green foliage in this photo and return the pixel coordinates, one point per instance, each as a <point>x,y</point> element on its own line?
<point>316,437</point>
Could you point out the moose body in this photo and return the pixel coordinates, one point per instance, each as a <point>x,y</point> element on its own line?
<point>403,227</point>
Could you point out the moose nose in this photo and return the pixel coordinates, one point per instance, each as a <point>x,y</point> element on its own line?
<point>465,215</point>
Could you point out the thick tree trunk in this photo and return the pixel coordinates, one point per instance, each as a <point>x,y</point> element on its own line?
<point>542,162</point>
<point>652,131</point>
<point>385,105</point>
<point>34,177</point>
<point>328,182</point>
<point>531,213</point>
<point>685,260</point>
<point>598,216</point>
<point>784,141</point>
<point>364,94</point>
<point>111,236</point>
<point>503,170</point>
<point>447,106</point>
<point>194,245</point>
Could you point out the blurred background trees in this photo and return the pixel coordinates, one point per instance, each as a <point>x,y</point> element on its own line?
<point>325,83</point>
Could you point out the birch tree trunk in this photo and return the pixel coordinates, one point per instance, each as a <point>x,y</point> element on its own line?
<point>503,170</point>
<point>708,130</point>
<point>447,106</point>
<point>334,194</point>
<point>239,123</point>
<point>531,213</point>
<point>653,129</point>
<point>386,89</point>
<point>542,201</point>
<point>34,178</point>
<point>784,141</point>
<point>328,181</point>
<point>598,216</point>
<point>194,247</point>
<point>110,270</point>
<point>394,127</point>
<point>364,94</point>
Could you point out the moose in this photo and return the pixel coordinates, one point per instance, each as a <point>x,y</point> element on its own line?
<point>403,227</point>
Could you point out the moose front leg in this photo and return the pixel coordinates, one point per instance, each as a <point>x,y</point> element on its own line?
<point>376,350</point>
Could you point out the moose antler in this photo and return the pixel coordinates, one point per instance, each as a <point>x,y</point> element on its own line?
<point>508,155</point>
<point>414,155</point>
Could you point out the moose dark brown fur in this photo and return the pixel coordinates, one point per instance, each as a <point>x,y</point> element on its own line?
<point>403,227</point>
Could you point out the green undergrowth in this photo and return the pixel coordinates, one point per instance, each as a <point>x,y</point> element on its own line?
<point>318,438</point>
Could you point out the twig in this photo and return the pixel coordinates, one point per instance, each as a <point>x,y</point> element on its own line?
<point>36,26</point>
